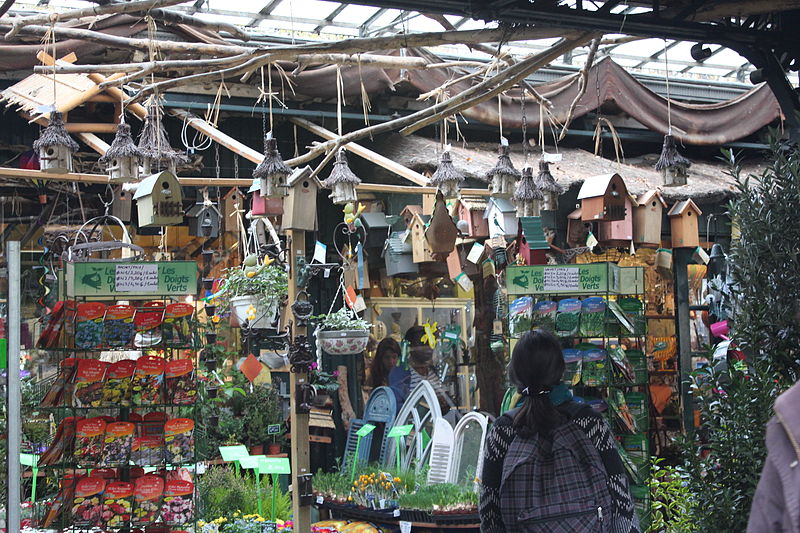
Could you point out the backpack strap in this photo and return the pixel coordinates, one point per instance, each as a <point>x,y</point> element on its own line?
<point>572,408</point>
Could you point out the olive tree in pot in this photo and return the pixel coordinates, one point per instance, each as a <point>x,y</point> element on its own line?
<point>342,332</point>
<point>253,291</point>
<point>261,408</point>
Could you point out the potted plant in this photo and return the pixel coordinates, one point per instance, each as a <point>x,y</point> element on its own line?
<point>343,333</point>
<point>261,408</point>
<point>324,384</point>
<point>253,291</point>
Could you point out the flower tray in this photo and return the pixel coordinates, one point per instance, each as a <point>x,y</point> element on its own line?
<point>361,513</point>
<point>452,519</point>
<point>343,342</point>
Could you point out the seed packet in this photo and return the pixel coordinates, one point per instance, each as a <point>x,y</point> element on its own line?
<point>117,443</point>
<point>633,308</point>
<point>147,379</point>
<point>63,442</point>
<point>89,383</point>
<point>148,451</point>
<point>153,424</point>
<point>568,317</point>
<point>179,440</point>
<point>178,506</point>
<point>148,321</point>
<point>116,391</point>
<point>593,317</point>
<point>176,330</point>
<point>622,415</point>
<point>519,315</point>
<point>181,388</point>
<point>52,331</point>
<point>594,372</point>
<point>118,325</point>
<point>66,373</point>
<point>105,473</point>
<point>63,499</point>
<point>147,493</point>
<point>117,503</point>
<point>87,507</point>
<point>89,434</point>
<point>573,359</point>
<point>544,315</point>
<point>89,325</point>
<point>619,359</point>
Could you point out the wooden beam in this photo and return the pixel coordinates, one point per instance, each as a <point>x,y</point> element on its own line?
<point>366,153</point>
<point>94,142</point>
<point>222,138</point>
<point>90,127</point>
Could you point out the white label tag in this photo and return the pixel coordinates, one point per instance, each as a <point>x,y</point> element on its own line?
<point>405,527</point>
<point>360,304</point>
<point>396,513</point>
<point>475,253</point>
<point>551,158</point>
<point>319,252</point>
<point>320,500</point>
<point>591,240</point>
<point>464,282</point>
<point>382,503</point>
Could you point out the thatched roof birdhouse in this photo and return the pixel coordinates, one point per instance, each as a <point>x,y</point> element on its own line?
<point>446,178</point>
<point>157,153</point>
<point>673,166</point>
<point>503,177</point>
<point>342,181</point>
<point>54,146</point>
<point>272,171</point>
<point>527,198</point>
<point>546,183</point>
<point>122,157</point>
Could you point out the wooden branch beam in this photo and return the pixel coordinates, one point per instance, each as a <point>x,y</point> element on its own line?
<point>366,153</point>
<point>225,140</point>
<point>109,9</point>
<point>176,17</point>
<point>94,142</point>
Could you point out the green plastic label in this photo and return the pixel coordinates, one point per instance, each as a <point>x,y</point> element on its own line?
<point>275,465</point>
<point>400,431</point>
<point>233,453</point>
<point>365,430</point>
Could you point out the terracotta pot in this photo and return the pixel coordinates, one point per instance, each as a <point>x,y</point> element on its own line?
<point>258,449</point>
<point>273,448</point>
<point>343,342</point>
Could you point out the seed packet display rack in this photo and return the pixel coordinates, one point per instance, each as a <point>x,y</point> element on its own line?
<point>172,402</point>
<point>593,379</point>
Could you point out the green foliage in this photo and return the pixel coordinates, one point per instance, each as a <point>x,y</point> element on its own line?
<point>342,320</point>
<point>261,407</point>
<point>222,492</point>
<point>443,497</point>
<point>268,281</point>
<point>672,508</point>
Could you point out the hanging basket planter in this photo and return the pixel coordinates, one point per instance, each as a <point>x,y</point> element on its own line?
<point>258,311</point>
<point>343,342</point>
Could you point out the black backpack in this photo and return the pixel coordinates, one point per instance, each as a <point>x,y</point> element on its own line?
<point>555,483</point>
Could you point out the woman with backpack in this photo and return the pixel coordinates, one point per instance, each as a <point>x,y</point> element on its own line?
<point>551,465</point>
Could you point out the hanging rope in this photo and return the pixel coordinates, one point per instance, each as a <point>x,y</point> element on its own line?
<point>339,99</point>
<point>269,93</point>
<point>366,105</point>
<point>669,99</point>
<point>500,114</point>
<point>524,128</point>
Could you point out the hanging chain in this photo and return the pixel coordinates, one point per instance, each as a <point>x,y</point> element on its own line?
<point>524,127</point>
<point>236,166</point>
<point>599,114</point>
<point>216,159</point>
<point>666,79</point>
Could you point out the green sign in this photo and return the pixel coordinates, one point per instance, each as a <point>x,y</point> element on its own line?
<point>563,279</point>
<point>233,453</point>
<point>3,354</point>
<point>275,465</point>
<point>273,429</point>
<point>251,461</point>
<point>131,278</point>
<point>400,431</point>
<point>365,430</point>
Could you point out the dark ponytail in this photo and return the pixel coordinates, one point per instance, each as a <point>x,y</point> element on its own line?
<point>537,365</point>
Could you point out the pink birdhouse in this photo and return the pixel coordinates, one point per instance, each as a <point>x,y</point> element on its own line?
<point>471,210</point>
<point>619,232</point>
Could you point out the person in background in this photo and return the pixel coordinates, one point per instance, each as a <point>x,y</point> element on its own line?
<point>386,357</point>
<point>536,369</point>
<point>420,362</point>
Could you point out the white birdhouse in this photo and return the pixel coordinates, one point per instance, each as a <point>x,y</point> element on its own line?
<point>123,157</point>
<point>159,200</point>
<point>300,206</point>
<point>502,217</point>
<point>55,147</point>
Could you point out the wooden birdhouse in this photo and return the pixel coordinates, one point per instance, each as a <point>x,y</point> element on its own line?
<point>647,219</point>
<point>159,200</point>
<point>398,256</point>
<point>684,224</point>
<point>121,204</point>
<point>409,212</point>
<point>232,202</point>
<point>603,198</point>
<point>263,206</point>
<point>55,147</point>
<point>447,179</point>
<point>342,181</point>
<point>300,206</point>
<point>204,220</point>
<point>619,232</point>
<point>421,252</point>
<point>272,171</point>
<point>472,210</point>
<point>377,226</point>
<point>577,229</point>
<point>503,177</point>
<point>123,157</point>
<point>441,232</point>
<point>501,217</point>
<point>531,241</point>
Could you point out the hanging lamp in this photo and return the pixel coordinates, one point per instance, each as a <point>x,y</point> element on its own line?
<point>123,157</point>
<point>272,171</point>
<point>503,177</point>
<point>546,183</point>
<point>342,181</point>
<point>446,178</point>
<point>157,153</point>
<point>55,146</point>
<point>527,198</point>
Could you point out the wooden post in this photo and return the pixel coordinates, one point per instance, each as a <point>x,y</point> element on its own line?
<point>681,257</point>
<point>300,444</point>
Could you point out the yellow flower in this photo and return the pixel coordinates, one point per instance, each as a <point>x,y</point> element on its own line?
<point>215,319</point>
<point>397,479</point>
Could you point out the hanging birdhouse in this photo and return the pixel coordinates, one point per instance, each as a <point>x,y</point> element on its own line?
<point>342,181</point>
<point>409,212</point>
<point>263,206</point>
<point>531,241</point>
<point>232,202</point>
<point>204,220</point>
<point>577,229</point>
<point>398,256</point>
<point>603,198</point>
<point>123,157</point>
<point>446,178</point>
<point>683,221</point>
<point>157,153</point>
<point>300,205</point>
<point>441,232</point>
<point>546,183</point>
<point>159,200</point>
<point>501,218</point>
<point>121,204</point>
<point>272,171</point>
<point>503,177</point>
<point>673,166</point>
<point>421,251</point>
<point>377,226</point>
<point>527,198</point>
<point>647,219</point>
<point>471,211</point>
<point>619,232</point>
<point>55,147</point>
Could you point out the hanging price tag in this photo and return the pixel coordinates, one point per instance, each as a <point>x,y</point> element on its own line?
<point>405,527</point>
<point>320,500</point>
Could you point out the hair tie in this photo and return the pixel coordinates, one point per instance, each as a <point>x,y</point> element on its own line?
<point>527,392</point>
